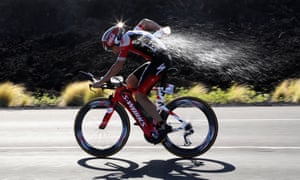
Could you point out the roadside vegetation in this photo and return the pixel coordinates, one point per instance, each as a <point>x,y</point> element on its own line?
<point>78,93</point>
<point>287,91</point>
<point>14,95</point>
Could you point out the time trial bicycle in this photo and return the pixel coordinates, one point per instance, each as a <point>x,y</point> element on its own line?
<point>102,125</point>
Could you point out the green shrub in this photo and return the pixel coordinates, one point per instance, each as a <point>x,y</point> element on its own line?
<point>45,99</point>
<point>216,95</point>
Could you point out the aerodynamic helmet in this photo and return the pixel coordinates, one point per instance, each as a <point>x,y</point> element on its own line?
<point>112,37</point>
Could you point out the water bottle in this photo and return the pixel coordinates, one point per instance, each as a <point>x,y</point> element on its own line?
<point>162,32</point>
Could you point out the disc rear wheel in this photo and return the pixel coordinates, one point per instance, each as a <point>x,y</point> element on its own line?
<point>200,132</point>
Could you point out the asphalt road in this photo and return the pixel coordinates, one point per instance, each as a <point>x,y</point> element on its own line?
<point>253,143</point>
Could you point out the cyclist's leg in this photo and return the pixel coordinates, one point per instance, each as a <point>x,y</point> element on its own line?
<point>145,102</point>
<point>133,78</point>
<point>149,78</point>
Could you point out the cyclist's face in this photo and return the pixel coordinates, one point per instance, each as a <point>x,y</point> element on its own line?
<point>115,49</point>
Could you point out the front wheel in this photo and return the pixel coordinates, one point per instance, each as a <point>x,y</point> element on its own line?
<point>200,133</point>
<point>101,142</point>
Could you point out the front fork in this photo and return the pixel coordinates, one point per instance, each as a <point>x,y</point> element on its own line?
<point>106,117</point>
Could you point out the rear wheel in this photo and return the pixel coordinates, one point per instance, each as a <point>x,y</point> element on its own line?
<point>201,132</point>
<point>101,142</point>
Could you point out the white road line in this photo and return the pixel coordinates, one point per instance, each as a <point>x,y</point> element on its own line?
<point>38,147</point>
<point>155,147</point>
<point>259,147</point>
<point>257,119</point>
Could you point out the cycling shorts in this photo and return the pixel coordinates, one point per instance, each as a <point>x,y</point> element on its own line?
<point>150,73</point>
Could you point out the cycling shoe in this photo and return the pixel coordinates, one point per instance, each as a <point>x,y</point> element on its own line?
<point>159,135</point>
<point>163,132</point>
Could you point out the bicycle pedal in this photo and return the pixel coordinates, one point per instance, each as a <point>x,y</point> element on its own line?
<point>169,128</point>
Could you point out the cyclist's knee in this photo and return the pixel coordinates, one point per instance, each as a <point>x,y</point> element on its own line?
<point>140,95</point>
<point>132,81</point>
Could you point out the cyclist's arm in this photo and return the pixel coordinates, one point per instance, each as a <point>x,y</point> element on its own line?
<point>148,25</point>
<point>114,70</point>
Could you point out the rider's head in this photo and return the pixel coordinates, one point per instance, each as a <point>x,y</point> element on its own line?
<point>112,37</point>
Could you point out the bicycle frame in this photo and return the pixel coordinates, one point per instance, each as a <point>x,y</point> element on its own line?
<point>124,96</point>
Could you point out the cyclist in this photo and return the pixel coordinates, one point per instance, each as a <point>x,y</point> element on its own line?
<point>141,42</point>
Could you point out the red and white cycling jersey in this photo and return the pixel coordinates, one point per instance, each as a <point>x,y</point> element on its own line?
<point>139,42</point>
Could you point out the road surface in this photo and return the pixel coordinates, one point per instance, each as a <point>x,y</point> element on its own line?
<point>253,143</point>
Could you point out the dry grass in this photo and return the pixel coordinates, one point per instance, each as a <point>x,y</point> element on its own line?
<point>78,93</point>
<point>197,90</point>
<point>240,93</point>
<point>287,91</point>
<point>14,95</point>
<point>74,94</point>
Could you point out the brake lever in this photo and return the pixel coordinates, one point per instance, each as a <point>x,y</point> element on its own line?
<point>89,75</point>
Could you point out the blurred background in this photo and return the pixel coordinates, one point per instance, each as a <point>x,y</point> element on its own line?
<point>44,43</point>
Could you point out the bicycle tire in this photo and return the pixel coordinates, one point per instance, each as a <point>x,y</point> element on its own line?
<point>96,141</point>
<point>202,115</point>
